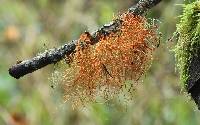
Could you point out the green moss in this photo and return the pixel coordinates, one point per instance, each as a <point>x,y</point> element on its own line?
<point>189,39</point>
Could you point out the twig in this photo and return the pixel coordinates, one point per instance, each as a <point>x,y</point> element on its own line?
<point>54,55</point>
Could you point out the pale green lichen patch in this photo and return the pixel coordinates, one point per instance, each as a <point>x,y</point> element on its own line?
<point>189,39</point>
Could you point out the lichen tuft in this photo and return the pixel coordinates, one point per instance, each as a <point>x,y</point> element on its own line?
<point>102,69</point>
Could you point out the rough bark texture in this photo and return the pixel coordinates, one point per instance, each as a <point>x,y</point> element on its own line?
<point>193,85</point>
<point>143,6</point>
<point>48,57</point>
<point>54,55</point>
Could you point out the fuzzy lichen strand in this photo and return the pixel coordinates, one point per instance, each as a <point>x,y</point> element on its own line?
<point>102,69</point>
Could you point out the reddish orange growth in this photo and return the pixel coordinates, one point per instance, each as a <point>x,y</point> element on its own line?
<point>102,69</point>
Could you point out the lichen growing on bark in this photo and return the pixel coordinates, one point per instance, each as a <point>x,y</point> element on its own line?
<point>189,39</point>
<point>102,69</point>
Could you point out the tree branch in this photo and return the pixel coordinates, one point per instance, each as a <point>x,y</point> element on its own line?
<point>54,55</point>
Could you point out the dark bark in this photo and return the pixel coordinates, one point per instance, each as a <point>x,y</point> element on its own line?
<point>54,55</point>
<point>143,6</point>
<point>193,85</point>
<point>48,57</point>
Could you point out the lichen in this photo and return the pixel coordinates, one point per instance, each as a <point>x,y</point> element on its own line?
<point>189,39</point>
<point>102,70</point>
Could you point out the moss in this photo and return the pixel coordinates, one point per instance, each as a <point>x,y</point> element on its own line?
<point>189,39</point>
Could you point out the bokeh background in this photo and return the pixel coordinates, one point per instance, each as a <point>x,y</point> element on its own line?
<point>28,27</point>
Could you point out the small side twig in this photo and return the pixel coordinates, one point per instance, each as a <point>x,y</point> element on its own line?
<point>55,55</point>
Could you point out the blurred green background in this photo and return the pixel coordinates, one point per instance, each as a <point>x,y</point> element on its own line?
<point>28,27</point>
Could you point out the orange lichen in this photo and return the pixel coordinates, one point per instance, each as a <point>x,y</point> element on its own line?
<point>102,69</point>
